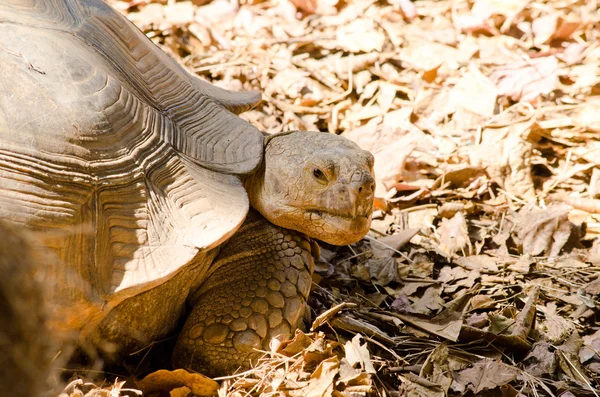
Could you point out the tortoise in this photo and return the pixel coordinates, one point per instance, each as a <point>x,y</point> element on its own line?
<point>158,204</point>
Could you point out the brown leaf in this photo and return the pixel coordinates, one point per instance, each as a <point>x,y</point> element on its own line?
<point>555,327</point>
<point>359,354</point>
<point>446,324</point>
<point>328,314</point>
<point>588,115</point>
<point>415,386</point>
<point>506,331</point>
<point>590,348</point>
<point>541,361</point>
<point>543,28</point>
<point>383,271</point>
<point>473,98</point>
<point>486,374</point>
<point>454,235</point>
<point>526,81</point>
<point>408,8</point>
<point>431,301</point>
<point>352,324</point>
<point>568,359</point>
<point>482,301</point>
<point>163,380</point>
<point>460,176</point>
<point>322,379</point>
<point>507,157</point>
<point>181,13</point>
<point>437,367</point>
<point>360,35</point>
<point>481,263</point>
<point>298,343</point>
<point>417,52</point>
<point>386,246</point>
<point>544,231</point>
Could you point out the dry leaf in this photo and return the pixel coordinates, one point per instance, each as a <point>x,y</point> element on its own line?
<point>473,98</point>
<point>360,35</point>
<point>481,263</point>
<point>454,235</point>
<point>163,380</point>
<point>555,328</point>
<point>181,13</point>
<point>541,361</point>
<point>486,374</point>
<point>387,246</point>
<point>544,231</point>
<point>359,354</point>
<point>526,81</point>
<point>415,386</point>
<point>322,379</point>
<point>437,367</point>
<point>446,324</point>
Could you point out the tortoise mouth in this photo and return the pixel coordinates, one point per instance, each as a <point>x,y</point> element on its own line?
<point>319,212</point>
<point>338,228</point>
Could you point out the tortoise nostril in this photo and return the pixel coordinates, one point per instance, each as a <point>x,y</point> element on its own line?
<point>372,187</point>
<point>360,189</point>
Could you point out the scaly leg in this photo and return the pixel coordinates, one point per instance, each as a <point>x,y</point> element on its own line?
<point>257,292</point>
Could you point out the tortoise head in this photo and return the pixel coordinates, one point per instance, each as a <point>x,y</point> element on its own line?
<point>316,183</point>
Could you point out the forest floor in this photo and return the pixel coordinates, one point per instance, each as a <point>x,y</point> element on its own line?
<point>480,274</point>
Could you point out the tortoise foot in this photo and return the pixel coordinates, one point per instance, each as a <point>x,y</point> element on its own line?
<point>257,293</point>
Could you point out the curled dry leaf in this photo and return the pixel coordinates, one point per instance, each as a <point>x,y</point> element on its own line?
<point>417,53</point>
<point>568,359</point>
<point>79,388</point>
<point>409,9</point>
<point>584,204</point>
<point>588,116</point>
<point>437,367</point>
<point>478,19</point>
<point>553,26</point>
<point>590,348</point>
<point>319,7</point>
<point>383,271</point>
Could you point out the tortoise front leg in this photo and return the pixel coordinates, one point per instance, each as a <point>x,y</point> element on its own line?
<point>257,292</point>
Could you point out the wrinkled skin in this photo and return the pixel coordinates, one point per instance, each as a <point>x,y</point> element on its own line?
<point>319,184</point>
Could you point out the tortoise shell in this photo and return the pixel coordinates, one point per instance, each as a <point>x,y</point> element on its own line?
<point>128,164</point>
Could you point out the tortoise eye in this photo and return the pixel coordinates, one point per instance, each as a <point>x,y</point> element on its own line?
<point>317,173</point>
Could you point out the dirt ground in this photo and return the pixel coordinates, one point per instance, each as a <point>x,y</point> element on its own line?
<point>480,274</point>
